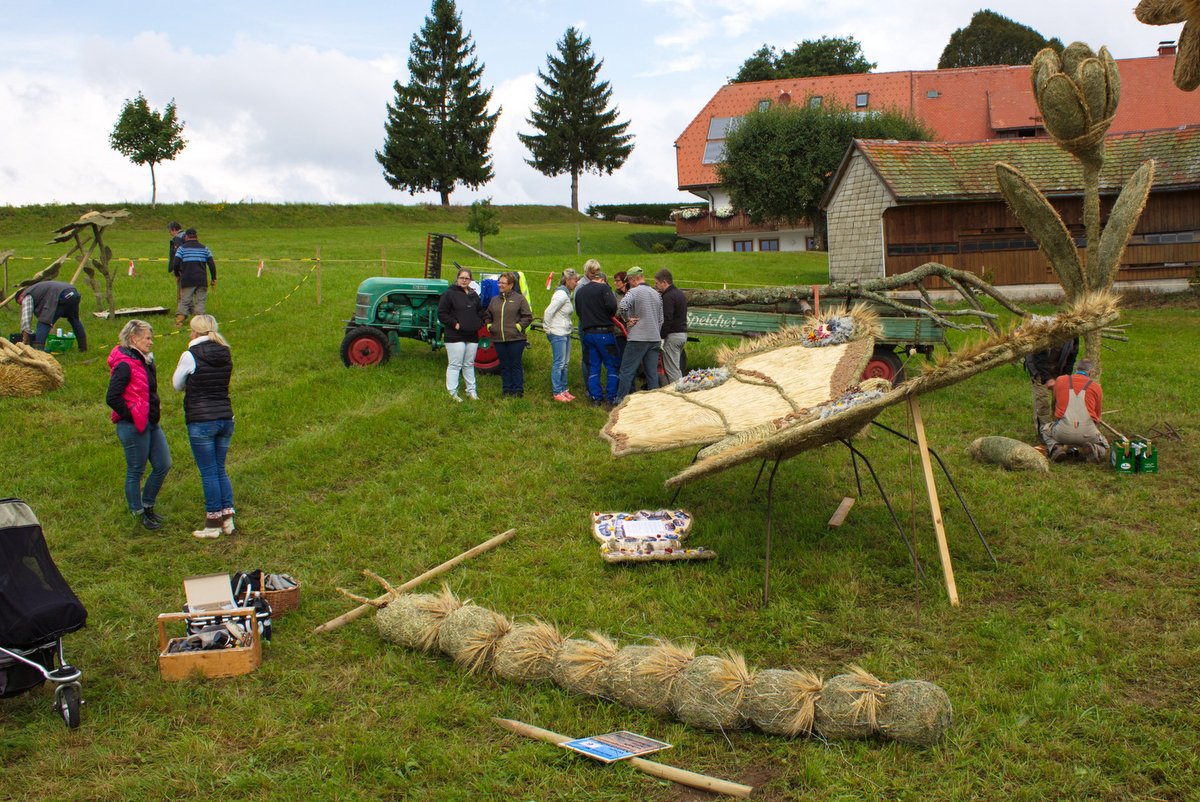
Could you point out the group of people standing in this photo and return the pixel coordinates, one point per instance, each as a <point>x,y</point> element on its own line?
<point>505,320</point>
<point>203,375</point>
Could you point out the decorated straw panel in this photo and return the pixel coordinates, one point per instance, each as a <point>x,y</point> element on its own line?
<point>777,377</point>
<point>778,442</point>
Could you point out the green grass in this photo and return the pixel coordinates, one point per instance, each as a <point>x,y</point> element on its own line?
<point>1072,665</point>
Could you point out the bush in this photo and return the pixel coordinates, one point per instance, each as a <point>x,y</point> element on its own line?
<point>657,212</point>
<point>660,247</point>
<point>682,245</point>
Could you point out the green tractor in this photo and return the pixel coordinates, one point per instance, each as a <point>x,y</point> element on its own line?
<point>388,309</point>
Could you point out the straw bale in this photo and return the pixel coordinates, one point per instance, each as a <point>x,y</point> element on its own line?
<point>526,654</point>
<point>26,372</point>
<point>915,712</point>
<point>641,676</point>
<point>583,666</point>
<point>782,702</point>
<point>709,692</point>
<point>849,704</point>
<point>413,619</point>
<point>1009,453</point>
<point>470,634</point>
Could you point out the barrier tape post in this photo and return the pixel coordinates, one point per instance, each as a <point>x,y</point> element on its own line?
<point>130,267</point>
<point>260,268</point>
<point>318,275</point>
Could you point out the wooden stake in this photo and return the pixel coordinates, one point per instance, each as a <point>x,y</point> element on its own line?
<point>660,770</point>
<point>839,516</point>
<point>934,506</point>
<point>361,610</point>
<point>318,275</point>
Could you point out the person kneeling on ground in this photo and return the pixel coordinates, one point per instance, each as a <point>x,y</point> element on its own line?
<point>1078,400</point>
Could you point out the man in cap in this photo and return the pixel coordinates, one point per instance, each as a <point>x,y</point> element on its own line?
<point>642,309</point>
<point>48,301</point>
<point>192,263</point>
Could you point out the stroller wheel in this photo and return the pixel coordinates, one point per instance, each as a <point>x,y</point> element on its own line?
<point>67,701</point>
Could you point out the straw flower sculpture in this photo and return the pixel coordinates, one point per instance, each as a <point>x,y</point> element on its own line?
<point>1169,12</point>
<point>715,692</point>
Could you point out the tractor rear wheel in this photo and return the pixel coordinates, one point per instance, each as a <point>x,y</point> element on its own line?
<point>364,346</point>
<point>884,364</point>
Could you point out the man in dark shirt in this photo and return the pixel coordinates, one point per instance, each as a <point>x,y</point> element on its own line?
<point>176,232</point>
<point>674,327</point>
<point>595,304</point>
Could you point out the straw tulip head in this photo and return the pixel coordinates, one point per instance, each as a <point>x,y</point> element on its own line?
<point>1077,94</point>
<point>1170,12</point>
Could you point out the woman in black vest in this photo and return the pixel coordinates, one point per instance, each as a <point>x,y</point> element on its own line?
<point>203,373</point>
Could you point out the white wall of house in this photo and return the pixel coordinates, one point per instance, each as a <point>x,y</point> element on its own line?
<point>796,239</point>
<point>855,223</point>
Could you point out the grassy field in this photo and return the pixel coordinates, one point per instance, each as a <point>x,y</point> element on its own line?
<point>1073,665</point>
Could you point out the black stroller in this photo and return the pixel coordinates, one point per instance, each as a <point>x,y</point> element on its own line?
<point>37,608</point>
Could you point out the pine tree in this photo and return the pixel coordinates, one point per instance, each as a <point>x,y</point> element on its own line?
<point>438,129</point>
<point>579,132</point>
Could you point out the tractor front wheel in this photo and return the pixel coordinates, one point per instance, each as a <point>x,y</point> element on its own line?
<point>884,364</point>
<point>364,346</point>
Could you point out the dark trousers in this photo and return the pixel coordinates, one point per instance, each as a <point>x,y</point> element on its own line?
<point>512,369</point>
<point>601,348</point>
<point>68,307</point>
<point>638,353</point>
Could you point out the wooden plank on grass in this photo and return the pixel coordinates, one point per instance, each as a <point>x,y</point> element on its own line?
<point>839,515</point>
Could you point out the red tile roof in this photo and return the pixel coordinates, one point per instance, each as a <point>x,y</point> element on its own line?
<point>969,104</point>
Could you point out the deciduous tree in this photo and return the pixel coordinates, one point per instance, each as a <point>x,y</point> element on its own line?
<point>812,57</point>
<point>438,130</point>
<point>778,162</point>
<point>578,129</point>
<point>993,39</point>
<point>146,136</point>
<point>483,219</point>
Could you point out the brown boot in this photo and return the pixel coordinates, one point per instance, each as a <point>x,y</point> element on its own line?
<point>179,321</point>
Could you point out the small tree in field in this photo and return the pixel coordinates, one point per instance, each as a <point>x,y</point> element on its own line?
<point>578,131</point>
<point>483,219</point>
<point>145,136</point>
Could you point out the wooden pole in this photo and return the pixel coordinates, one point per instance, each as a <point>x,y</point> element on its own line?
<point>660,770</point>
<point>318,275</point>
<point>361,610</point>
<point>934,506</point>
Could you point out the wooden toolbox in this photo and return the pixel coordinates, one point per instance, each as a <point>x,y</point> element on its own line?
<point>210,663</point>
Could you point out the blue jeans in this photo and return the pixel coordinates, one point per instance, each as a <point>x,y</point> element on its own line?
<point>210,443</point>
<point>638,352</point>
<point>512,370</point>
<point>140,448</point>
<point>560,349</point>
<point>602,353</point>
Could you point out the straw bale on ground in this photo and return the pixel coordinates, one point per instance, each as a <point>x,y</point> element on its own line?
<point>26,372</point>
<point>583,666</point>
<point>915,712</point>
<point>526,654</point>
<point>709,692</point>
<point>849,704</point>
<point>413,619</point>
<point>642,676</point>
<point>1009,453</point>
<point>782,702</point>
<point>470,634</point>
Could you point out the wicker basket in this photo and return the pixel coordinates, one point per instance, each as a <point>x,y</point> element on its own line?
<point>212,663</point>
<point>283,601</point>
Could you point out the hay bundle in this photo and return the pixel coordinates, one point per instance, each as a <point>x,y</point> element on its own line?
<point>915,712</point>
<point>26,372</point>
<point>470,634</point>
<point>413,619</point>
<point>709,692</point>
<point>1009,453</point>
<point>783,702</point>
<point>583,666</point>
<point>642,676</point>
<point>526,653</point>
<point>849,705</point>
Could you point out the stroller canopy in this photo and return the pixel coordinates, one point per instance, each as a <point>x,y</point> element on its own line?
<point>36,603</point>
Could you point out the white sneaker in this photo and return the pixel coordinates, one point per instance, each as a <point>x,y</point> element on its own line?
<point>455,397</point>
<point>207,532</point>
<point>227,525</point>
<point>472,396</point>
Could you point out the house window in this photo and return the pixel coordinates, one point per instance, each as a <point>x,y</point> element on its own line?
<point>861,100</point>
<point>763,105</point>
<point>743,245</point>
<point>718,128</point>
<point>932,93</point>
<point>768,244</point>
<point>714,151</point>
<point>814,102</point>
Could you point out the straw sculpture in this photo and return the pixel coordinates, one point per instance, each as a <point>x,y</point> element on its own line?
<point>716,692</point>
<point>1009,453</point>
<point>1171,12</point>
<point>26,372</point>
<point>1090,313</point>
<point>778,377</point>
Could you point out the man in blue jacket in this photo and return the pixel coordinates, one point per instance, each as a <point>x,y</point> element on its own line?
<point>193,263</point>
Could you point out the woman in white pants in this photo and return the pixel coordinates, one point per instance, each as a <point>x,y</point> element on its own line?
<point>461,317</point>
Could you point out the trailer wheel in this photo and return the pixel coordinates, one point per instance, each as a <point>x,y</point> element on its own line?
<point>67,701</point>
<point>884,364</point>
<point>364,346</point>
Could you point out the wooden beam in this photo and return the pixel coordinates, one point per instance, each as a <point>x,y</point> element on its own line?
<point>935,507</point>
<point>839,515</point>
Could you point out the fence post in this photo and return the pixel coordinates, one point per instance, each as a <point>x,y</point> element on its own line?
<point>318,275</point>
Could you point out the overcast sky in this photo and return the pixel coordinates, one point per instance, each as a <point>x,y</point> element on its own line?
<point>285,101</point>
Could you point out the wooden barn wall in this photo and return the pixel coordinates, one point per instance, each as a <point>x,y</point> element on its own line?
<point>932,224</point>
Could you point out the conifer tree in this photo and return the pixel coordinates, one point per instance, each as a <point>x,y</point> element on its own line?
<point>438,129</point>
<point>578,130</point>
